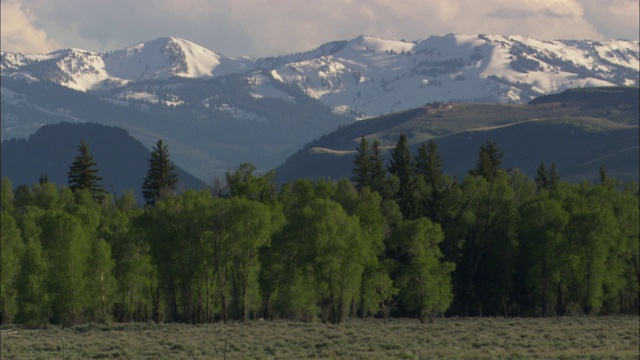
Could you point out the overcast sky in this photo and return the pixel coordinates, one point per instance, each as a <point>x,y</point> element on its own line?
<point>260,28</point>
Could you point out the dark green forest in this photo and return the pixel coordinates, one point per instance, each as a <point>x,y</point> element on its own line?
<point>398,239</point>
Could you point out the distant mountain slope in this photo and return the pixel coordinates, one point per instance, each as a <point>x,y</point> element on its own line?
<point>212,125</point>
<point>571,129</point>
<point>122,161</point>
<point>364,76</point>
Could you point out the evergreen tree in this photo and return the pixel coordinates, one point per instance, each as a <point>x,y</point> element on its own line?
<point>603,174</point>
<point>83,173</point>
<point>553,177</point>
<point>401,165</point>
<point>362,166</point>
<point>489,160</point>
<point>44,179</point>
<point>161,176</point>
<point>432,188</point>
<point>542,178</point>
<point>376,166</point>
<point>429,164</point>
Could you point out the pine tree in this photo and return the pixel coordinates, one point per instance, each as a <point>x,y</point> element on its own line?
<point>542,179</point>
<point>83,173</point>
<point>489,160</point>
<point>429,163</point>
<point>603,174</point>
<point>44,179</point>
<point>161,176</point>
<point>376,167</point>
<point>553,178</point>
<point>362,166</point>
<point>401,165</point>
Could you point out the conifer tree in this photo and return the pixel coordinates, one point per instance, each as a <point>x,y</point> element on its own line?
<point>83,173</point>
<point>362,166</point>
<point>489,160</point>
<point>603,174</point>
<point>553,177</point>
<point>542,178</point>
<point>429,163</point>
<point>401,165</point>
<point>376,166</point>
<point>161,176</point>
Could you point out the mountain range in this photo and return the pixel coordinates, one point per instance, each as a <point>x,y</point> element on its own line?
<point>365,76</point>
<point>215,111</point>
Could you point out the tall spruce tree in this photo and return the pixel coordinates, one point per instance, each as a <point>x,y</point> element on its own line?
<point>429,164</point>
<point>362,166</point>
<point>378,174</point>
<point>489,160</point>
<point>542,178</point>
<point>161,177</point>
<point>553,177</point>
<point>401,165</point>
<point>83,173</point>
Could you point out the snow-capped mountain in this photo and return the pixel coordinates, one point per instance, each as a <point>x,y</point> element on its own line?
<point>365,76</point>
<point>159,59</point>
<point>369,76</point>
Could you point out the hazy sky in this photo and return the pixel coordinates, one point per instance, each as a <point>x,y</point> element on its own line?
<point>274,27</point>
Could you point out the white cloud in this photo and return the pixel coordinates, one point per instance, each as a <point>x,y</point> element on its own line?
<point>614,18</point>
<point>18,32</point>
<point>272,27</point>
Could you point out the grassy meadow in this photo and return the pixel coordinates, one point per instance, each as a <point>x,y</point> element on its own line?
<point>448,338</point>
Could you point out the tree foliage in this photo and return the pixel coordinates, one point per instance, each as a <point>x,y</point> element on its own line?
<point>83,173</point>
<point>161,177</point>
<point>413,244</point>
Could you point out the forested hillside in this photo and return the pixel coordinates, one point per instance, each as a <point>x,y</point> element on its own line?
<point>401,240</point>
<point>121,158</point>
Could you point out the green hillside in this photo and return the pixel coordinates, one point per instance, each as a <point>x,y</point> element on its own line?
<point>576,130</point>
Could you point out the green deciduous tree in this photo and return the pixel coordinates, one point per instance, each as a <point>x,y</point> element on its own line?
<point>66,244</point>
<point>244,183</point>
<point>11,247</point>
<point>33,297</point>
<point>543,247</point>
<point>101,283</point>
<point>424,280</point>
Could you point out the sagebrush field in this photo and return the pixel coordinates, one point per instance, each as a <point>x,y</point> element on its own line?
<point>448,338</point>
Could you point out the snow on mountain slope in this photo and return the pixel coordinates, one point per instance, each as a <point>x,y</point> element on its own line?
<point>157,59</point>
<point>370,76</point>
<point>365,76</point>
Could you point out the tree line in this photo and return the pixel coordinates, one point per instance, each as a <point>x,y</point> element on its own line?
<point>400,238</point>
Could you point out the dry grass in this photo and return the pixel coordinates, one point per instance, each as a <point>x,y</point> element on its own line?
<point>454,338</point>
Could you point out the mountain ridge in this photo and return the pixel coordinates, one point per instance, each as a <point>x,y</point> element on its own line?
<point>364,76</point>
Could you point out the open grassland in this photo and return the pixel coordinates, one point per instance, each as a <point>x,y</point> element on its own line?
<point>452,338</point>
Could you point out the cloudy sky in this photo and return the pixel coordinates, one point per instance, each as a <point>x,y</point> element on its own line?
<point>259,28</point>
